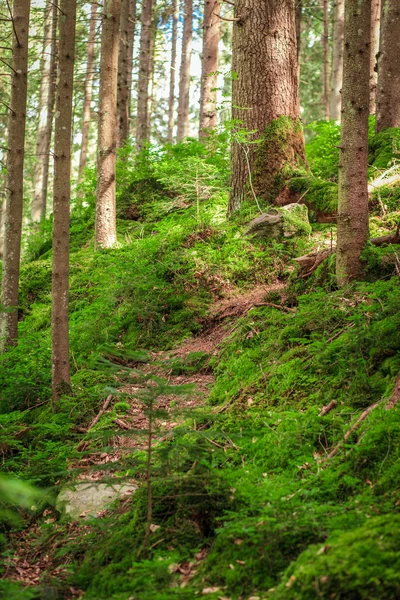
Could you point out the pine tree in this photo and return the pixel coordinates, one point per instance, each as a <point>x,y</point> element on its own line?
<point>209,66</point>
<point>388,86</point>
<point>106,225</point>
<point>337,60</point>
<point>326,59</point>
<point>126,39</point>
<point>352,220</point>
<point>184,74</point>
<point>172,77</point>
<point>145,73</point>
<point>15,174</point>
<point>375,29</point>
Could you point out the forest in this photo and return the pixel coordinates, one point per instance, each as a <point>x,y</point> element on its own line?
<point>200,307</point>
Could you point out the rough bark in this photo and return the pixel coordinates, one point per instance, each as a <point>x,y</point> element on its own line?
<point>388,86</point>
<point>352,220</point>
<point>46,108</point>
<point>15,174</point>
<point>3,201</point>
<point>375,28</point>
<point>265,99</point>
<point>209,66</point>
<point>299,17</point>
<point>337,60</point>
<point>106,227</point>
<point>125,70</point>
<point>129,56</point>
<point>142,132</point>
<point>184,74</point>
<point>88,91</point>
<point>172,77</point>
<point>326,59</point>
<point>61,199</point>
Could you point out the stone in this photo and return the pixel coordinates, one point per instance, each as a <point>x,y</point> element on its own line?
<point>285,221</point>
<point>86,499</point>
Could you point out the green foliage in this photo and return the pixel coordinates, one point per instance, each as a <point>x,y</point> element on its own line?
<point>322,149</point>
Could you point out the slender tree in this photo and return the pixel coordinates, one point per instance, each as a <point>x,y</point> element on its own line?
<point>265,99</point>
<point>106,227</point>
<point>142,132</point>
<point>326,60</point>
<point>209,66</point>
<point>337,60</point>
<point>129,54</point>
<point>150,89</point>
<point>388,86</point>
<point>124,71</point>
<point>184,76</point>
<point>299,18</point>
<point>61,199</point>
<point>46,110</point>
<point>3,202</point>
<point>375,28</point>
<point>352,220</point>
<point>172,77</point>
<point>88,91</point>
<point>15,174</point>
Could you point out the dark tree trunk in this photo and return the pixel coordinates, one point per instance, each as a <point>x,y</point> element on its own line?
<point>265,98</point>
<point>172,77</point>
<point>352,220</point>
<point>15,174</point>
<point>388,86</point>
<point>209,66</point>
<point>337,61</point>
<point>184,76</point>
<point>142,132</point>
<point>125,70</point>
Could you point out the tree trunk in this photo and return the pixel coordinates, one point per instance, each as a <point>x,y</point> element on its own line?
<point>171,99</point>
<point>375,27</point>
<point>209,66</point>
<point>352,220</point>
<point>265,98</point>
<point>299,17</point>
<point>61,200</point>
<point>106,225</point>
<point>142,132</point>
<point>388,86</point>
<point>184,76</point>
<point>88,92</point>
<point>3,199</point>
<point>125,57</point>
<point>337,61</point>
<point>15,174</point>
<point>326,60</point>
<point>46,109</point>
<point>153,32</point>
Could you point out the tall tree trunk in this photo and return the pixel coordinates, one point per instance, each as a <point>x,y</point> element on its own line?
<point>388,86</point>
<point>299,17</point>
<point>352,220</point>
<point>209,66</point>
<point>106,225</point>
<point>375,28</point>
<point>3,200</point>
<point>337,60</point>
<point>125,70</point>
<point>172,77</point>
<point>15,174</point>
<point>61,200</point>
<point>326,60</point>
<point>151,77</point>
<point>129,54</point>
<point>88,91</point>
<point>184,76</point>
<point>46,109</point>
<point>142,132</point>
<point>265,98</point>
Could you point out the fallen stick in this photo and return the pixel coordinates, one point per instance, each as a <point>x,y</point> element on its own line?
<point>355,426</point>
<point>102,411</point>
<point>395,397</point>
<point>327,409</point>
<point>272,305</point>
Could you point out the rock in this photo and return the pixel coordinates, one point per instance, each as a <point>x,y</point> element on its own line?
<point>86,499</point>
<point>285,221</point>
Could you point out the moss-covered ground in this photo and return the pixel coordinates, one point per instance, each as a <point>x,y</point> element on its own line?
<point>247,502</point>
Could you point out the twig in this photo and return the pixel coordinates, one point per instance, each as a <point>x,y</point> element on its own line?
<point>102,411</point>
<point>234,20</point>
<point>327,409</point>
<point>272,305</point>
<point>355,426</point>
<point>122,424</point>
<point>13,24</point>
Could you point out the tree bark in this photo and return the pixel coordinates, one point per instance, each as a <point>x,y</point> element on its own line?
<point>352,220</point>
<point>61,200</point>
<point>326,60</point>
<point>388,86</point>
<point>265,99</point>
<point>129,56</point>
<point>46,108</point>
<point>125,70</point>
<point>142,132</point>
<point>337,61</point>
<point>3,200</point>
<point>106,225</point>
<point>153,32</point>
<point>184,75</point>
<point>375,28</point>
<point>15,174</point>
<point>172,77</point>
<point>299,17</point>
<point>88,91</point>
<point>209,66</point>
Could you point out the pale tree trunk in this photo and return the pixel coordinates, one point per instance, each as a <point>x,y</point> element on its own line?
<point>15,174</point>
<point>265,98</point>
<point>151,78</point>
<point>172,77</point>
<point>61,200</point>
<point>88,91</point>
<point>3,201</point>
<point>209,66</point>
<point>388,86</point>
<point>184,75</point>
<point>129,55</point>
<point>326,60</point>
<point>352,220</point>
<point>299,17</point>
<point>46,109</point>
<point>142,132</point>
<point>125,58</point>
<point>375,27</point>
<point>106,224</point>
<point>337,60</point>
